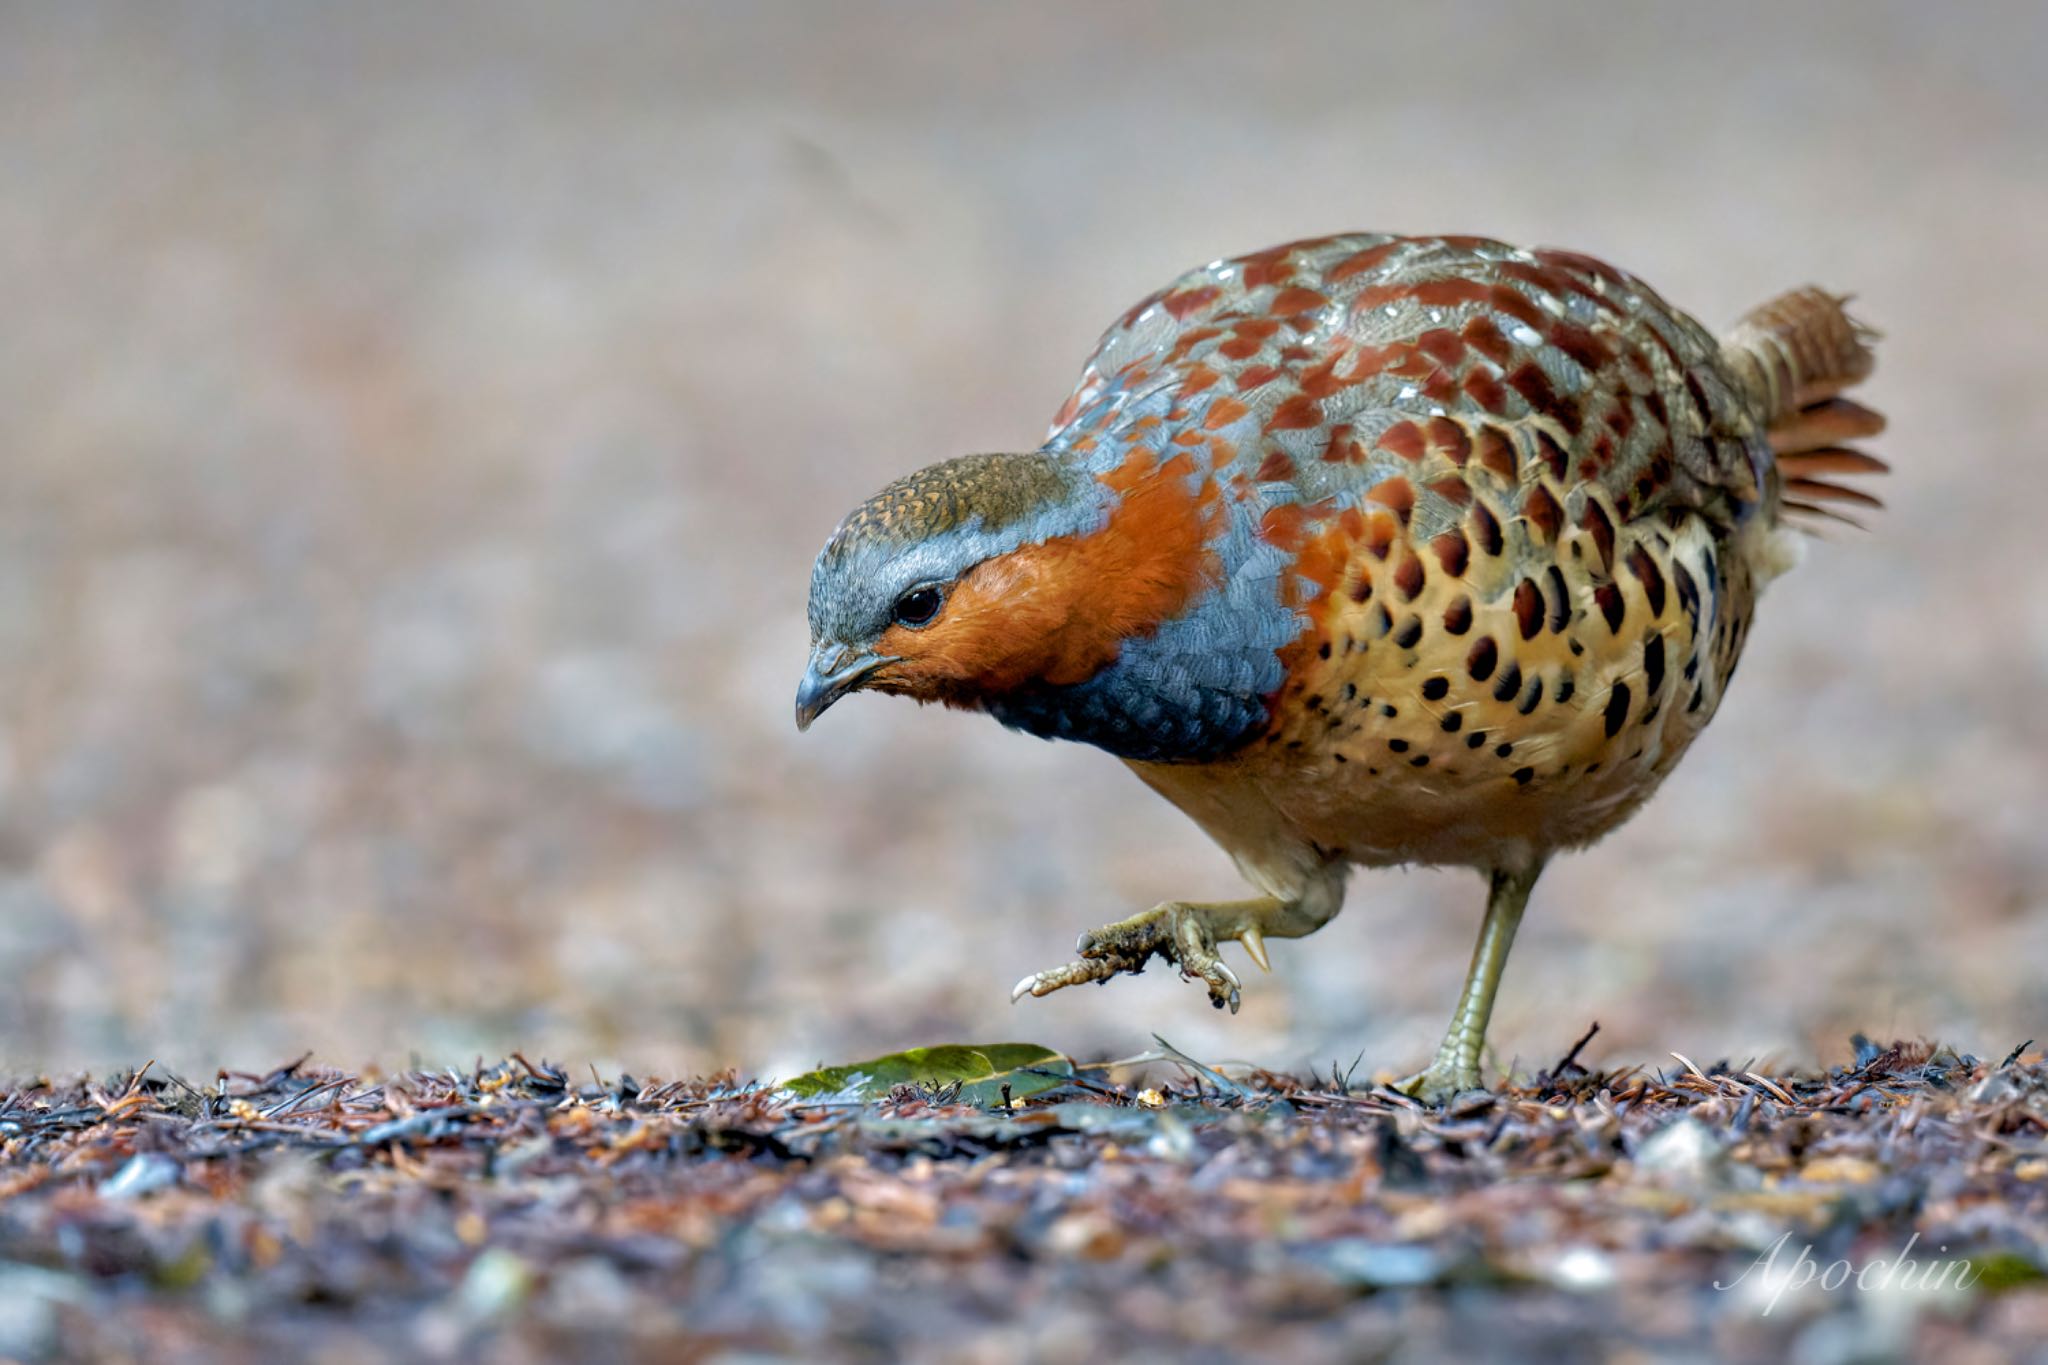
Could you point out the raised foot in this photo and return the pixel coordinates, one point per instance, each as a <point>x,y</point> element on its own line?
<point>1184,934</point>
<point>1443,1082</point>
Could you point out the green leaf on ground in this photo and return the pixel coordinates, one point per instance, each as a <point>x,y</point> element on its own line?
<point>981,1069</point>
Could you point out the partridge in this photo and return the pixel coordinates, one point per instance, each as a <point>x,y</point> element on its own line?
<point>1362,551</point>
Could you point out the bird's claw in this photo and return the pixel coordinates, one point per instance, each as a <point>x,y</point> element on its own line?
<point>1178,933</point>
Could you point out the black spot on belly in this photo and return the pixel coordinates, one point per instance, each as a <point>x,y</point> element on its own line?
<point>1643,565</point>
<point>1476,740</point>
<point>1601,527</point>
<point>1688,593</point>
<point>1608,598</point>
<point>1566,685</point>
<point>1399,746</point>
<point>1410,633</point>
<point>1653,664</point>
<point>1487,527</point>
<point>1504,751</point>
<point>1452,723</point>
<point>1560,599</point>
<point>1617,709</point>
<point>1480,662</point>
<point>1389,710</point>
<point>1453,552</point>
<point>1419,761</point>
<point>1528,608</point>
<point>1458,616</point>
<point>1509,684</point>
<point>1522,775</point>
<point>1433,689</point>
<point>1531,696</point>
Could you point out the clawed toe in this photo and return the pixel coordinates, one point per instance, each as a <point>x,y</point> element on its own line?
<point>1225,990</point>
<point>1177,933</point>
<point>1441,1083</point>
<point>1073,974</point>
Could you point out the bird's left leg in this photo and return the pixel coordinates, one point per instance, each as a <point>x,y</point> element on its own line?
<point>1456,1067</point>
<point>1187,933</point>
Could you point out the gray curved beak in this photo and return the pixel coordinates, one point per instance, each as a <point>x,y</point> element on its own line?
<point>833,672</point>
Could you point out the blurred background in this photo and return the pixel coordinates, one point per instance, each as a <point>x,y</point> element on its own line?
<point>419,422</point>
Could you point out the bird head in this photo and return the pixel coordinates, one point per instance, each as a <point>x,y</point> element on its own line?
<point>981,576</point>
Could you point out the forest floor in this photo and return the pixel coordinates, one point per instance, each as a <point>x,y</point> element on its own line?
<point>1894,1206</point>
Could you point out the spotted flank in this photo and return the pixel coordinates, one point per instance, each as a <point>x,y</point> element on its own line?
<point>1525,505</point>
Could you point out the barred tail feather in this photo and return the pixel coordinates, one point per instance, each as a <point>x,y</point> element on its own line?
<point>1797,354</point>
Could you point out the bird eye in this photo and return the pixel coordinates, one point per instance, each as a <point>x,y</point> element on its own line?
<point>917,607</point>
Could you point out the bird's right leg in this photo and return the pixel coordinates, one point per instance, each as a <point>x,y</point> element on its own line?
<point>1187,933</point>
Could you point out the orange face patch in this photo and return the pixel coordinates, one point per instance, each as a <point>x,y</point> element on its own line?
<point>1057,613</point>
